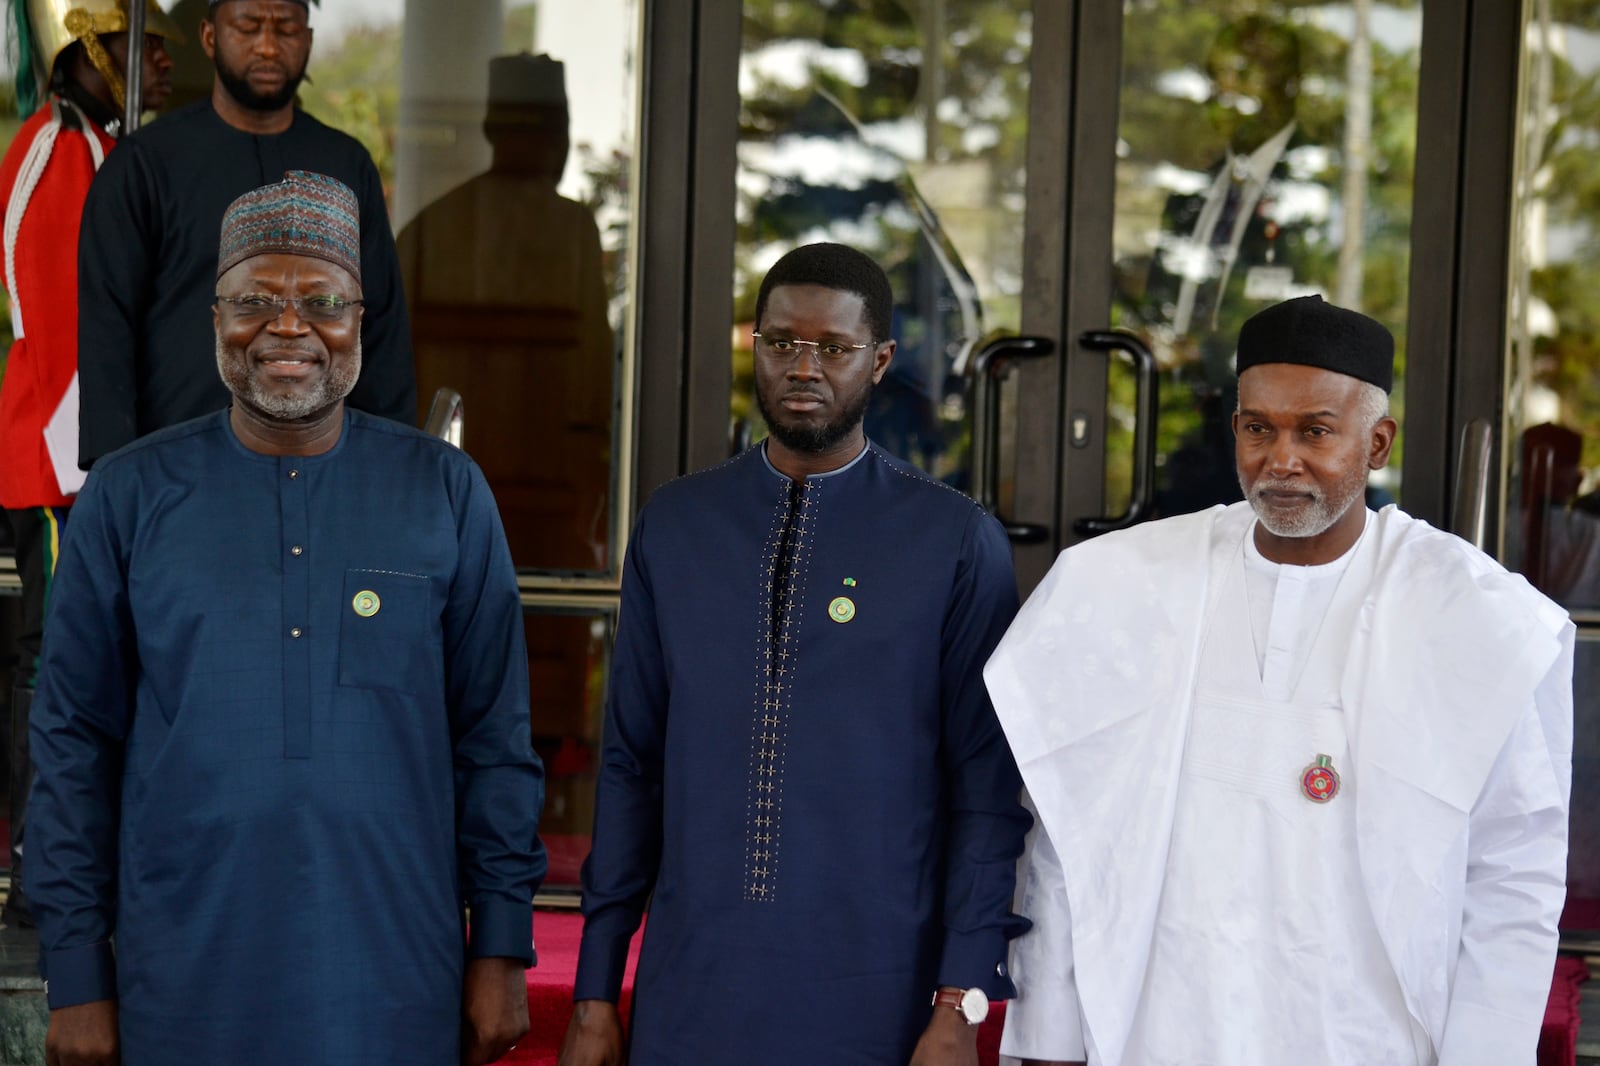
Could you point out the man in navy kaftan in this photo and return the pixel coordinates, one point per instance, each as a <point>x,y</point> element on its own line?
<point>282,726</point>
<point>801,761</point>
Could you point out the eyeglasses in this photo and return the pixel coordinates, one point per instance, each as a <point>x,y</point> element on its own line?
<point>267,307</point>
<point>787,349</point>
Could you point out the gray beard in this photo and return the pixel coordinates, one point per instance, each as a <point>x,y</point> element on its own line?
<point>1314,517</point>
<point>334,386</point>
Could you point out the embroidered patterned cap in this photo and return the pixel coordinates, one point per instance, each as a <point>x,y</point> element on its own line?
<point>304,214</point>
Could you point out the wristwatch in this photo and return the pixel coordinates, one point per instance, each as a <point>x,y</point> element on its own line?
<point>971,1002</point>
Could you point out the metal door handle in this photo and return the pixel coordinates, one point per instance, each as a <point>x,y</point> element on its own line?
<point>1142,500</point>
<point>991,366</point>
<point>738,437</point>
<point>447,418</point>
<point>1472,483</point>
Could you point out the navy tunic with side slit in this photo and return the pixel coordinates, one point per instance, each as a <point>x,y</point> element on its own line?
<point>282,737</point>
<point>803,766</point>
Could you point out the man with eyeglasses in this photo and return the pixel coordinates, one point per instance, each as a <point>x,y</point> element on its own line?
<point>285,659</point>
<point>82,46</point>
<point>802,771</point>
<point>148,251</point>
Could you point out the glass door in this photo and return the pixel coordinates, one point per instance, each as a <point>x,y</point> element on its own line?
<point>506,136</point>
<point>907,130</point>
<point>1550,460</point>
<point>1257,150</point>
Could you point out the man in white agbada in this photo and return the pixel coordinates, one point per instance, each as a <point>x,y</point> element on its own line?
<point>1300,769</point>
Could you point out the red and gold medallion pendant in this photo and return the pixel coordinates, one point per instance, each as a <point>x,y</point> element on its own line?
<point>1320,781</point>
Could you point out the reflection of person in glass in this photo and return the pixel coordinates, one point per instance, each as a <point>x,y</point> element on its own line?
<point>1304,775</point>
<point>803,776</point>
<point>1558,537</point>
<point>865,193</point>
<point>508,307</point>
<point>1220,254</point>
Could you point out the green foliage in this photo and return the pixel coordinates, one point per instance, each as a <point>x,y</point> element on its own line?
<point>1171,52</point>
<point>355,87</point>
<point>864,81</point>
<point>1565,208</point>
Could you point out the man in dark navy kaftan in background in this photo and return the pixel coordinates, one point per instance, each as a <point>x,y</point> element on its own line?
<point>801,761</point>
<point>282,723</point>
<point>147,255</point>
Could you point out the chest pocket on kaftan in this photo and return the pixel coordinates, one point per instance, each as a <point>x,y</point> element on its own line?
<point>386,632</point>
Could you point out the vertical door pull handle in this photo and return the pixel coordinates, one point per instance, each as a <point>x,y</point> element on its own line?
<point>1472,483</point>
<point>1141,502</point>
<point>990,367</point>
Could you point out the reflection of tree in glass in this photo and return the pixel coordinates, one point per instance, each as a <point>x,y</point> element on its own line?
<point>1206,88</point>
<point>1566,177</point>
<point>842,102</point>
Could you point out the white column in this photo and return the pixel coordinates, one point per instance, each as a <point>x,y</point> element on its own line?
<point>444,82</point>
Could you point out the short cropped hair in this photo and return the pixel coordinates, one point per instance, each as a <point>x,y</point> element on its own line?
<point>1372,406</point>
<point>834,266</point>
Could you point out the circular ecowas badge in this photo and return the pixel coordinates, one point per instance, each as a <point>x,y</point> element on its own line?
<point>1320,781</point>
<point>842,609</point>
<point>366,603</point>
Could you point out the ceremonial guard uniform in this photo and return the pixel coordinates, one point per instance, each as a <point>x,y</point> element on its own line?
<point>44,180</point>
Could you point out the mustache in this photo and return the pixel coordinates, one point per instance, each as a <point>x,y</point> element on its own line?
<point>1270,485</point>
<point>278,351</point>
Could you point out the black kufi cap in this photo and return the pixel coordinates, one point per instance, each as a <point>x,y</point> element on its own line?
<point>1310,331</point>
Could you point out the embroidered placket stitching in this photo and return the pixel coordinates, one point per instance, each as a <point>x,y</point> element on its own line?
<point>770,727</point>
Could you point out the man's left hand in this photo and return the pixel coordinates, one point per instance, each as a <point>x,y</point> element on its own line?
<point>494,1009</point>
<point>947,1041</point>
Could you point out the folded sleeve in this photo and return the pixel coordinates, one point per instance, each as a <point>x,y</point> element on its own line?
<point>1044,1021</point>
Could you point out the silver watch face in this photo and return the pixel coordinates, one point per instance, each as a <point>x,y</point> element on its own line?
<point>974,1005</point>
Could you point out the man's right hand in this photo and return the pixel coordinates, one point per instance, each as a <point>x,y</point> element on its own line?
<point>594,1036</point>
<point>85,1035</point>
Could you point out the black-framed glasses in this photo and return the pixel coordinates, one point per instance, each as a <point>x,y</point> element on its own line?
<point>266,306</point>
<point>783,349</point>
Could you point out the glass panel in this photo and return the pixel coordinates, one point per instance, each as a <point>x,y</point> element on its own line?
<point>1253,166</point>
<point>1583,850</point>
<point>1552,432</point>
<point>518,304</point>
<point>899,129</point>
<point>568,664</point>
<point>509,189</point>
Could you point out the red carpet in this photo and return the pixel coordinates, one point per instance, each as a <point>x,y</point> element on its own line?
<point>557,933</point>
<point>1558,1039</point>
